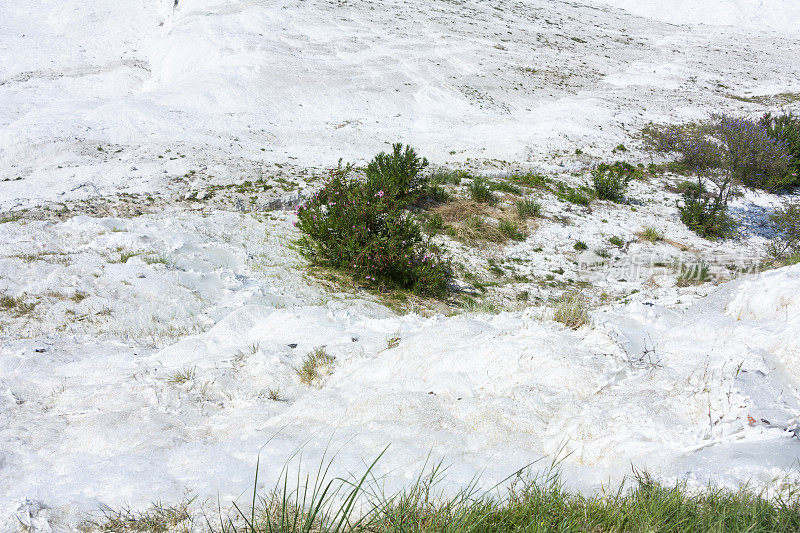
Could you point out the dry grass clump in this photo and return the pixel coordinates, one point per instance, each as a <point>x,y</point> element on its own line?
<point>477,229</point>
<point>315,366</point>
<point>572,310</point>
<point>473,222</point>
<point>157,519</point>
<point>17,305</point>
<point>459,210</point>
<point>183,376</point>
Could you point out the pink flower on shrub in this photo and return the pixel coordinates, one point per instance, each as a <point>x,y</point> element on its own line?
<point>379,194</point>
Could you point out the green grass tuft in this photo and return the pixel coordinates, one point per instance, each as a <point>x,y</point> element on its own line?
<point>616,241</point>
<point>511,230</point>
<point>529,208</point>
<point>652,235</point>
<point>480,191</point>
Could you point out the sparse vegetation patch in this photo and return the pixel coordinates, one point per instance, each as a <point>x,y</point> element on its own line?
<point>572,310</point>
<point>315,366</point>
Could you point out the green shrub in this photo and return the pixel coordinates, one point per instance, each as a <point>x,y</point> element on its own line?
<point>786,221</point>
<point>398,175</point>
<point>728,150</point>
<point>616,241</point>
<point>580,246</point>
<point>480,191</point>
<point>705,214</point>
<point>786,129</point>
<point>529,208</point>
<point>611,181</point>
<point>358,227</point>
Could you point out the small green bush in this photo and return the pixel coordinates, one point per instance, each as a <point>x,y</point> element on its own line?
<point>786,221</point>
<point>572,195</point>
<point>532,180</point>
<point>792,259</point>
<point>616,241</point>
<point>448,177</point>
<point>705,214</point>
<point>398,175</point>
<point>361,228</point>
<point>610,182</point>
<point>529,208</point>
<point>786,130</point>
<point>580,246</point>
<point>730,150</point>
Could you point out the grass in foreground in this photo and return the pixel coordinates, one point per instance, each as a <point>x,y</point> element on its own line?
<point>356,504</point>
